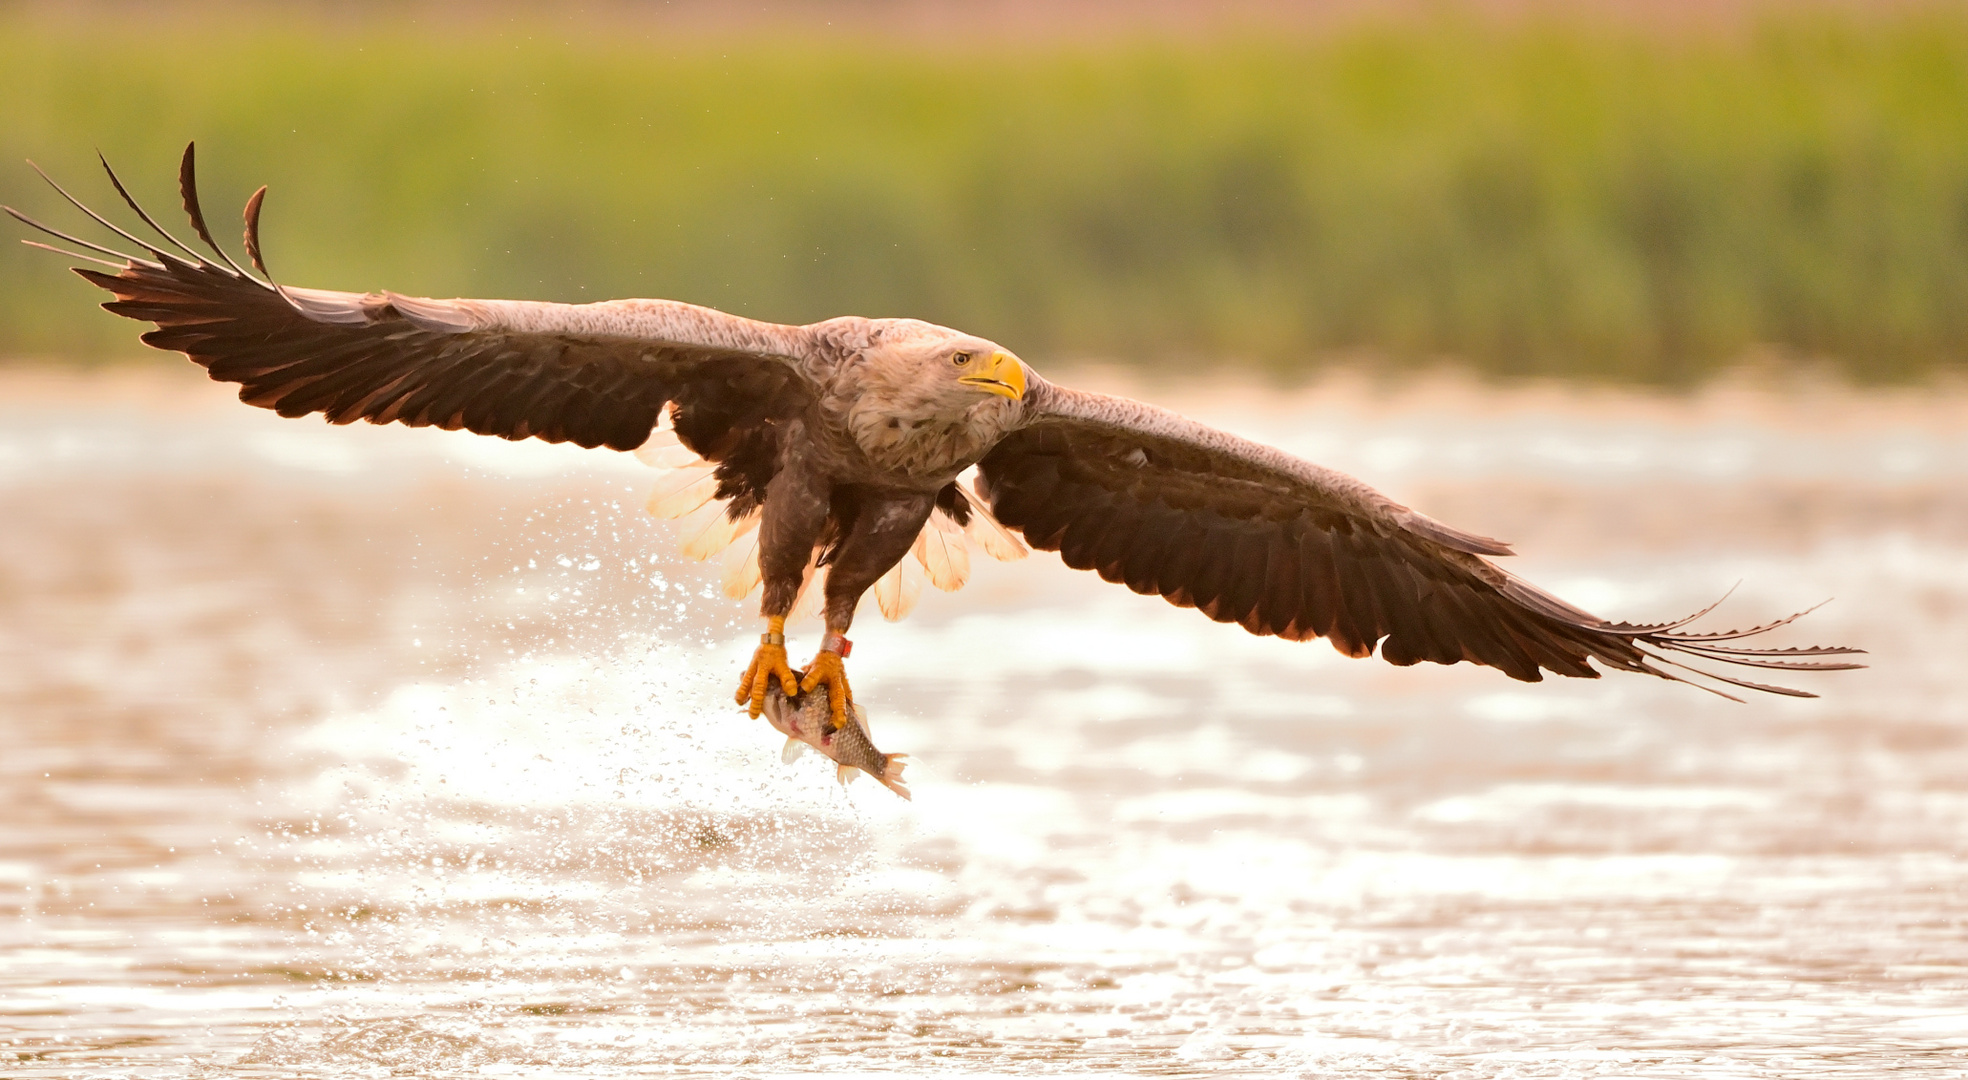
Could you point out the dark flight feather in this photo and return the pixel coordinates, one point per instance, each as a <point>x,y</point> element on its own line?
<point>387,358</point>
<point>1250,535</point>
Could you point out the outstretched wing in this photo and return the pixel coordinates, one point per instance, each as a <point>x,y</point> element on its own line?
<point>1252,535</point>
<point>592,374</point>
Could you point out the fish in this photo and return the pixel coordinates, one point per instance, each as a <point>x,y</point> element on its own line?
<point>807,721</point>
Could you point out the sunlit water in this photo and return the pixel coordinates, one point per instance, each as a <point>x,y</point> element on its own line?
<point>338,752</point>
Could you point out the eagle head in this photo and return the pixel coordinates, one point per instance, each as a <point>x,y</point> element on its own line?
<point>925,396</point>
<point>943,369</point>
<point>945,364</point>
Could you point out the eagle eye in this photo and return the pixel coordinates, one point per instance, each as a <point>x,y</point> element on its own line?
<point>960,359</point>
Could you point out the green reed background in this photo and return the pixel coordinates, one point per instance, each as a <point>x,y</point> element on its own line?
<point>1530,197</point>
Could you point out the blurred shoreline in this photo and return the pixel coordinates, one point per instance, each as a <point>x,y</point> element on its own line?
<point>1809,399</point>
<point>959,24</point>
<point>1575,195</point>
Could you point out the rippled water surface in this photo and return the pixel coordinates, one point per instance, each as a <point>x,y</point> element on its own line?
<point>337,752</point>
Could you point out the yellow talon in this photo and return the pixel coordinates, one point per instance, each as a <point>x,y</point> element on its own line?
<point>826,670</point>
<point>768,661</point>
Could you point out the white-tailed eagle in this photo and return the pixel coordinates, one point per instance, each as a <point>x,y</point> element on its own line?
<point>830,451</point>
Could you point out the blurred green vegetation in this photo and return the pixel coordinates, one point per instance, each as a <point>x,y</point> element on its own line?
<point>1530,197</point>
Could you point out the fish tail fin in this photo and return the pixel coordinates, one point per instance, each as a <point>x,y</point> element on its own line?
<point>891,776</point>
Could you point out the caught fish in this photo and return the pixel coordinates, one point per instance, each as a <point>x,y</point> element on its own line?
<point>807,721</point>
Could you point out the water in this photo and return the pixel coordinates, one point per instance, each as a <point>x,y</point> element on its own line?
<point>367,751</point>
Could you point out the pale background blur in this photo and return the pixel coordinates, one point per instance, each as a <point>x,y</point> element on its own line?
<point>371,751</point>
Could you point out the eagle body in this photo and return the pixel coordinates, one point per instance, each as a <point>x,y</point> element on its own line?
<point>821,457</point>
<point>854,472</point>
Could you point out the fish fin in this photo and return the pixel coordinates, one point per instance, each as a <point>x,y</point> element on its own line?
<point>860,715</point>
<point>845,773</point>
<point>891,776</point>
<point>792,751</point>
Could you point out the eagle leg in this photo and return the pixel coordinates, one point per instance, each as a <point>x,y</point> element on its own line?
<point>882,529</point>
<point>769,660</point>
<point>827,670</point>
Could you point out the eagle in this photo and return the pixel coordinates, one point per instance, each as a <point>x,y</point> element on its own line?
<point>836,449</point>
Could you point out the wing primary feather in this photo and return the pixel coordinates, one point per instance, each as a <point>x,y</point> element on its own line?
<point>91,245</point>
<point>252,216</point>
<point>188,191</point>
<point>1720,651</point>
<point>103,221</point>
<point>1410,625</point>
<point>1720,635</point>
<point>73,255</point>
<point>1484,638</point>
<point>1791,659</point>
<point>1786,691</point>
<point>1562,652</point>
<point>131,202</point>
<point>1662,628</point>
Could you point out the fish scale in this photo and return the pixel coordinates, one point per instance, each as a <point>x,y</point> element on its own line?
<point>806,721</point>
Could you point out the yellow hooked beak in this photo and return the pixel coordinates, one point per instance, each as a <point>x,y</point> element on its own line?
<point>1001,374</point>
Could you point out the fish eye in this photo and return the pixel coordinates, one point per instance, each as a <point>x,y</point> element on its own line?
<point>960,359</point>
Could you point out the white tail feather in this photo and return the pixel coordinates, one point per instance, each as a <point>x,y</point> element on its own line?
<point>741,567</point>
<point>683,491</point>
<point>811,593</point>
<point>661,437</point>
<point>663,450</point>
<point>689,491</point>
<point>941,550</point>
<point>898,590</point>
<point>718,533</point>
<point>677,456</point>
<point>996,540</point>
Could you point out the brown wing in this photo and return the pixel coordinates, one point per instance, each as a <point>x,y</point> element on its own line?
<point>591,374</point>
<point>1251,535</point>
